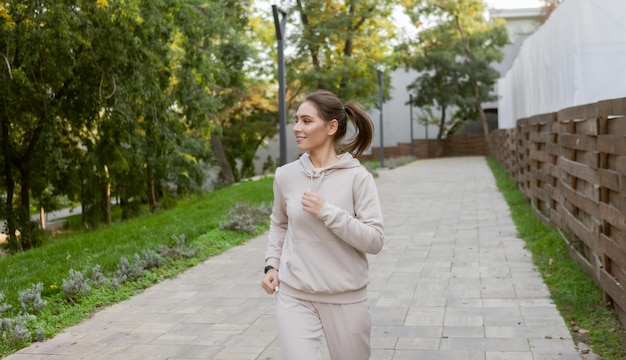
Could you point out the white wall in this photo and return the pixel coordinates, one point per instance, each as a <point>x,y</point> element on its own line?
<point>396,114</point>
<point>519,21</point>
<point>396,125</point>
<point>577,57</point>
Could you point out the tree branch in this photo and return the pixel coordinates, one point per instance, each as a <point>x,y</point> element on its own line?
<point>6,60</point>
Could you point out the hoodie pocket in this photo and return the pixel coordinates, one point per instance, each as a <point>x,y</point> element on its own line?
<point>325,267</point>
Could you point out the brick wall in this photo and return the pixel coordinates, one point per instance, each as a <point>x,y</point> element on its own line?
<point>453,145</point>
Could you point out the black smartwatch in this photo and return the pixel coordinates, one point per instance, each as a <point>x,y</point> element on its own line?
<point>268,268</point>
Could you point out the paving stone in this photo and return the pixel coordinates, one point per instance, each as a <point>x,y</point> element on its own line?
<point>452,282</point>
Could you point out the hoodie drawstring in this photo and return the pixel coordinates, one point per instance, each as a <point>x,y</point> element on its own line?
<point>323,172</point>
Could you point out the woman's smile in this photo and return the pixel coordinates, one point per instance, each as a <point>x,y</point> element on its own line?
<point>310,130</point>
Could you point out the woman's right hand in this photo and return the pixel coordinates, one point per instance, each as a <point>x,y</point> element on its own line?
<point>270,281</point>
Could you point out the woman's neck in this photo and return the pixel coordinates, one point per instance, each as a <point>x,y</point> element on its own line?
<point>323,160</point>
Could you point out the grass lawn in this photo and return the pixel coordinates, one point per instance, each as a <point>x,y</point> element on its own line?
<point>576,296</point>
<point>196,219</point>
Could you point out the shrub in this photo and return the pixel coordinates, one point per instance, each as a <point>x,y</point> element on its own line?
<point>127,271</point>
<point>30,299</point>
<point>243,217</point>
<point>15,330</point>
<point>370,167</point>
<point>75,286</point>
<point>269,166</point>
<point>179,250</point>
<point>399,161</point>
<point>98,277</point>
<point>3,305</point>
<point>151,259</point>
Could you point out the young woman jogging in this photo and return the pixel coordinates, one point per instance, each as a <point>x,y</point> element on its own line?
<point>325,219</point>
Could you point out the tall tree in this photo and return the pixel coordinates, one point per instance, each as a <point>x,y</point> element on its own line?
<point>339,47</point>
<point>98,96</point>
<point>251,122</point>
<point>49,84</point>
<point>211,78</point>
<point>455,55</point>
<point>143,97</point>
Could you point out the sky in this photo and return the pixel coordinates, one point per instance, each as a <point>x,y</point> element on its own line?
<point>513,4</point>
<point>491,4</point>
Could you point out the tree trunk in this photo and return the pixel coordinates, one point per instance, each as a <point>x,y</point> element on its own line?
<point>14,244</point>
<point>26,235</point>
<point>42,217</point>
<point>483,118</point>
<point>107,196</point>
<point>442,125</point>
<point>218,149</point>
<point>150,186</point>
<point>481,112</point>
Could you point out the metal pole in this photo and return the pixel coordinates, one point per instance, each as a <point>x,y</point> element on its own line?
<point>411,122</point>
<point>282,108</point>
<point>380,108</point>
<point>426,126</point>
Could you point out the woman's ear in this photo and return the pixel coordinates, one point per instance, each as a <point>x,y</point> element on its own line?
<point>332,126</point>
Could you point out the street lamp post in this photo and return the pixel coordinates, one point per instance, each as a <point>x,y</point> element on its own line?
<point>282,108</point>
<point>411,122</point>
<point>380,108</point>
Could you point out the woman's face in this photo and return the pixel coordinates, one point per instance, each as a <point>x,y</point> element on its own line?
<point>311,131</point>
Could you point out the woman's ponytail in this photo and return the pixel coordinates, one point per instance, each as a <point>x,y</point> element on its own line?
<point>364,130</point>
<point>330,107</point>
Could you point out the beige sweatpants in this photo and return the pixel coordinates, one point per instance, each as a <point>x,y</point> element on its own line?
<point>301,324</point>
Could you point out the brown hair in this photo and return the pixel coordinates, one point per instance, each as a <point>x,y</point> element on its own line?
<point>330,107</point>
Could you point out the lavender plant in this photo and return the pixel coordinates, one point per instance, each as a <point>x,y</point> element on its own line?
<point>75,286</point>
<point>30,299</point>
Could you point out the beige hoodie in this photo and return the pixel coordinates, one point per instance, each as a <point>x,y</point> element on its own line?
<point>323,258</point>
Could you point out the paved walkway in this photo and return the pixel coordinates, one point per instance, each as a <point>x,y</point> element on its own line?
<point>452,283</point>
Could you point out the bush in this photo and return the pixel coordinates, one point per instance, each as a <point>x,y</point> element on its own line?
<point>30,299</point>
<point>75,286</point>
<point>393,163</point>
<point>243,217</point>
<point>16,330</point>
<point>179,250</point>
<point>151,259</point>
<point>98,277</point>
<point>127,271</point>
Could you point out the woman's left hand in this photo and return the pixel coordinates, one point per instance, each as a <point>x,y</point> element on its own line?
<point>312,202</point>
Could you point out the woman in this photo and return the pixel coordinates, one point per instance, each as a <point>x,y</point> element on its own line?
<point>326,217</point>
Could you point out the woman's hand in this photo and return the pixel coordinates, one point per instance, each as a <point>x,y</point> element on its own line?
<point>312,203</point>
<point>270,281</point>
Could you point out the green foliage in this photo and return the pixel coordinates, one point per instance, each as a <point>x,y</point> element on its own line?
<point>270,165</point>
<point>391,163</point>
<point>127,270</point>
<point>102,249</point>
<point>575,294</point>
<point>251,122</point>
<point>454,57</point>
<point>243,217</point>
<point>151,259</point>
<point>75,286</point>
<point>339,47</point>
<point>30,299</point>
<point>16,331</point>
<point>3,305</point>
<point>97,277</point>
<point>395,162</point>
<point>180,249</point>
<point>113,98</point>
